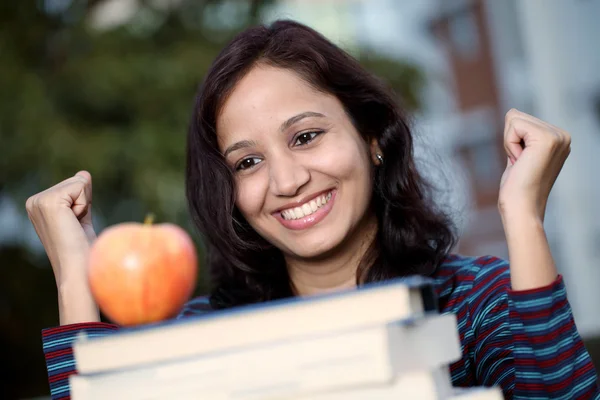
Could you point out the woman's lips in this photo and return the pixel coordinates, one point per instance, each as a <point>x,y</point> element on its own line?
<point>309,220</point>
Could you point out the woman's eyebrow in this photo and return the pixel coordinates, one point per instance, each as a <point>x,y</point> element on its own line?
<point>238,146</point>
<point>291,121</point>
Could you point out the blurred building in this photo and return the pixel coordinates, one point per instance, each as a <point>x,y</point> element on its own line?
<point>481,58</point>
<point>540,57</point>
<point>462,29</point>
<point>560,40</point>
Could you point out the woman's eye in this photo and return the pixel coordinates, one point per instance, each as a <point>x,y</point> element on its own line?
<point>305,138</point>
<point>248,163</point>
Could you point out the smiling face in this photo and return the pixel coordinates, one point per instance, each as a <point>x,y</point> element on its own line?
<point>303,174</point>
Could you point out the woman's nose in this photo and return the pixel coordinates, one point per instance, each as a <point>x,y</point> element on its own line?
<point>287,176</point>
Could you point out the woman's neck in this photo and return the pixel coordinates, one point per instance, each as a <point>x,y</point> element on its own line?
<point>335,271</point>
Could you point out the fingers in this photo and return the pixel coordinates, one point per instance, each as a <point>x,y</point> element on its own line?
<point>82,208</point>
<point>74,192</point>
<point>87,184</point>
<point>85,175</point>
<point>512,140</point>
<point>522,130</point>
<point>512,143</point>
<point>80,192</point>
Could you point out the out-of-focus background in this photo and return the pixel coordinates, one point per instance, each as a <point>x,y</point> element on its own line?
<point>107,86</point>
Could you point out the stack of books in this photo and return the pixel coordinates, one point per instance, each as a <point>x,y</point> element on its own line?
<point>383,341</point>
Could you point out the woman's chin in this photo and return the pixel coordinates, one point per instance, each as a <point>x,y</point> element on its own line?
<point>312,249</point>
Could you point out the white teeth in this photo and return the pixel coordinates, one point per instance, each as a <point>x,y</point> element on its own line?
<point>298,212</point>
<point>306,208</point>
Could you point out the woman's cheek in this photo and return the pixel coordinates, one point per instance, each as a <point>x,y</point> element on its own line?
<point>250,195</point>
<point>345,161</point>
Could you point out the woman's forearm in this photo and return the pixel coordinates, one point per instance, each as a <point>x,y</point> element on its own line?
<point>76,303</point>
<point>531,262</point>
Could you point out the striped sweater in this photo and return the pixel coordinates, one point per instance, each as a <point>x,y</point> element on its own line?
<point>524,341</point>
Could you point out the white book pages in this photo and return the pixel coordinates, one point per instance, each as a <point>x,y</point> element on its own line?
<point>254,325</point>
<point>348,359</point>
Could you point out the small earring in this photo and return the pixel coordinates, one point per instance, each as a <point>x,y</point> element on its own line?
<point>379,158</point>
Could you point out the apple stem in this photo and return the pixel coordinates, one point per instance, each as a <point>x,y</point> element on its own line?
<point>149,219</point>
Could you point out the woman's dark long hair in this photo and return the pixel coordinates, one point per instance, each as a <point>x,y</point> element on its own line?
<point>413,236</point>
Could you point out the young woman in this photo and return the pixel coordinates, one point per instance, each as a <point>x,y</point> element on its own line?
<point>300,174</point>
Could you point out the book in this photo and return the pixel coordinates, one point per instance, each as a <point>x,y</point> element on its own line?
<point>477,393</point>
<point>239,327</point>
<point>368,355</point>
<point>433,384</point>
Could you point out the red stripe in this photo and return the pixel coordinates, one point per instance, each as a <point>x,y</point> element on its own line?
<point>549,337</point>
<point>61,376</point>
<point>58,353</point>
<point>537,290</point>
<point>562,356</point>
<point>77,327</point>
<point>538,313</point>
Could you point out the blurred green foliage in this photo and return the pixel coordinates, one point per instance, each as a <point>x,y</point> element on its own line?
<point>115,102</point>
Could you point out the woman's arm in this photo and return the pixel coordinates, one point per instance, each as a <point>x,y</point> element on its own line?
<point>531,262</point>
<point>76,304</point>
<point>526,341</point>
<point>525,336</point>
<point>62,218</point>
<point>536,153</point>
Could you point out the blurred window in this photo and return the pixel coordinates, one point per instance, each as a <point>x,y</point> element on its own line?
<point>464,34</point>
<point>481,158</point>
<point>596,103</point>
<point>485,165</point>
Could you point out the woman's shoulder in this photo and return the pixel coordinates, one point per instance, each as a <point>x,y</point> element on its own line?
<point>471,267</point>
<point>461,278</point>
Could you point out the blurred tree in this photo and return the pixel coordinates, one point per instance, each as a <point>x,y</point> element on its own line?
<point>81,92</point>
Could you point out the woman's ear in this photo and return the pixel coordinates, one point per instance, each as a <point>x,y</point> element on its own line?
<point>376,154</point>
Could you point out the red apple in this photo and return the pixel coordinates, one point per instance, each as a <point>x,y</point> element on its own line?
<point>142,273</point>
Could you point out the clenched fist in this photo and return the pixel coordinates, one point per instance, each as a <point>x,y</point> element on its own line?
<point>536,153</point>
<point>62,218</point>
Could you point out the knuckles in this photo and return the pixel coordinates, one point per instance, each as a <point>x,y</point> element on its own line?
<point>567,139</point>
<point>49,199</point>
<point>510,114</point>
<point>84,181</point>
<point>553,137</point>
<point>29,204</point>
<point>38,202</point>
<point>560,140</point>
